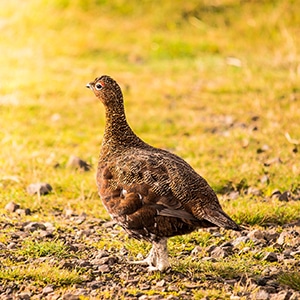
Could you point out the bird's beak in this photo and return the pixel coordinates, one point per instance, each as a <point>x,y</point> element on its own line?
<point>89,86</point>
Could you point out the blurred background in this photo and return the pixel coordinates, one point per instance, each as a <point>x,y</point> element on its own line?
<point>216,82</point>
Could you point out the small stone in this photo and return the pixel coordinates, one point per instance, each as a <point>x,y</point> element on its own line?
<point>23,212</point>
<point>144,287</point>
<point>12,206</point>
<point>70,297</point>
<point>295,253</point>
<point>24,296</point>
<point>69,212</point>
<point>282,295</point>
<point>240,240</point>
<point>271,161</point>
<point>219,252</point>
<point>256,234</point>
<point>161,283</point>
<point>265,179</point>
<point>261,295</point>
<point>94,285</point>
<point>33,226</point>
<point>253,191</point>
<point>233,195</point>
<point>77,163</point>
<point>104,269</point>
<point>271,236</point>
<point>270,256</point>
<point>285,196</point>
<point>282,238</point>
<point>12,245</point>
<point>40,188</point>
<point>48,289</point>
<point>196,250</point>
<point>101,253</point>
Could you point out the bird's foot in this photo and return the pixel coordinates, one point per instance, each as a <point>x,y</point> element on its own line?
<point>157,259</point>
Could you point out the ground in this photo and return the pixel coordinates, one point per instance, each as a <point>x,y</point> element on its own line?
<point>216,82</point>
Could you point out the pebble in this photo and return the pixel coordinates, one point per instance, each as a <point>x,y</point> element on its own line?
<point>285,196</point>
<point>104,269</point>
<point>77,163</point>
<point>270,256</point>
<point>261,295</point>
<point>23,212</point>
<point>219,252</point>
<point>256,234</point>
<point>240,240</point>
<point>282,295</point>
<point>48,289</point>
<point>33,226</point>
<point>282,238</point>
<point>24,296</point>
<point>70,297</point>
<point>12,206</point>
<point>41,188</point>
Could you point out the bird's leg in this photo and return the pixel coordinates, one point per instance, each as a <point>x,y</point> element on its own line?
<point>157,259</point>
<point>150,260</point>
<point>161,255</point>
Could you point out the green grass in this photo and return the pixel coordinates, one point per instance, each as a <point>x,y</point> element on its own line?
<point>212,81</point>
<point>43,248</point>
<point>39,274</point>
<point>291,279</point>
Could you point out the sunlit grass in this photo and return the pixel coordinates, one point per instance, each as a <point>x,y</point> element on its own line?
<point>212,81</point>
<point>41,274</point>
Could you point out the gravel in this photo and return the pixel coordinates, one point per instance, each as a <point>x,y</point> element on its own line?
<point>107,271</point>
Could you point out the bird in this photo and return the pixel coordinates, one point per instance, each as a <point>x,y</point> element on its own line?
<point>151,193</point>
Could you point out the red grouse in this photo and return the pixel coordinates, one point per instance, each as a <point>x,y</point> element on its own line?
<point>152,193</point>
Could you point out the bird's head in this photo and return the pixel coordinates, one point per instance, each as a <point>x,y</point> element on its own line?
<point>107,90</point>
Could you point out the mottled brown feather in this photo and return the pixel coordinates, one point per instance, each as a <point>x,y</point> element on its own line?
<point>150,192</point>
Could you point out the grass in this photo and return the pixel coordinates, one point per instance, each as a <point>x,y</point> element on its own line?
<point>40,274</point>
<point>213,81</point>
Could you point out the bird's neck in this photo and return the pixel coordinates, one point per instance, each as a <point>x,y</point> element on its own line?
<point>118,136</point>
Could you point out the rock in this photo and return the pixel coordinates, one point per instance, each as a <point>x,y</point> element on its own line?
<point>12,245</point>
<point>48,289</point>
<point>12,206</point>
<point>260,295</point>
<point>94,285</point>
<point>285,196</point>
<point>271,161</point>
<point>40,188</point>
<point>33,226</point>
<point>24,296</point>
<point>196,250</point>
<point>271,236</point>
<point>270,256</point>
<point>104,269</point>
<point>240,240</point>
<point>161,283</point>
<point>265,179</point>
<point>233,195</point>
<point>70,296</point>
<point>77,163</point>
<point>219,252</point>
<point>282,238</point>
<point>282,295</point>
<point>256,234</point>
<point>295,253</point>
<point>23,212</point>
<point>253,191</point>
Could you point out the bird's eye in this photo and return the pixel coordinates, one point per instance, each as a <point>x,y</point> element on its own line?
<point>98,86</point>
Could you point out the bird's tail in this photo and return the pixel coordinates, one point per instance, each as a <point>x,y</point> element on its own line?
<point>221,219</point>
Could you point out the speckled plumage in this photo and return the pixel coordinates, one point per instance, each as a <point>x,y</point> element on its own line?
<point>152,193</point>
